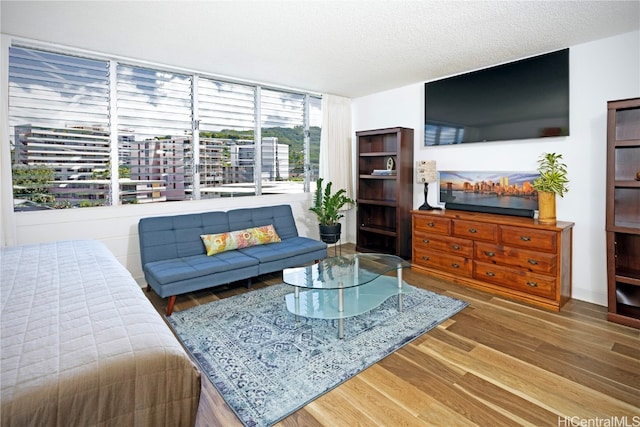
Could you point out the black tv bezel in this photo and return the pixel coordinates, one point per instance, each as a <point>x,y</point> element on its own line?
<point>560,57</point>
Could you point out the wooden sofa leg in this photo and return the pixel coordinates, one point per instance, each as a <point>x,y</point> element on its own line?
<point>172,301</point>
<point>249,283</point>
<point>148,289</point>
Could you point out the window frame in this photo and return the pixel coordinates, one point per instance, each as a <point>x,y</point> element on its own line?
<point>113,127</point>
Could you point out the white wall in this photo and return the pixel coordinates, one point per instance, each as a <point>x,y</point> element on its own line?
<point>600,71</point>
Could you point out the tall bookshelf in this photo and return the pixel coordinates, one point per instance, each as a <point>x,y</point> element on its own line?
<point>623,211</point>
<point>384,191</point>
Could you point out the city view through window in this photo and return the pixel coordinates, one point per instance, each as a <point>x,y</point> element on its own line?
<point>90,132</point>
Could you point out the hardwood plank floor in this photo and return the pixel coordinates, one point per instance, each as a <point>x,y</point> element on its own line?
<point>496,363</point>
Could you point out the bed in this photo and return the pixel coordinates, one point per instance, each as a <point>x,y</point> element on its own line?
<point>82,346</point>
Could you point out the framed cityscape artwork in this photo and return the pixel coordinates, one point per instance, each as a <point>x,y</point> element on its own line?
<point>509,190</point>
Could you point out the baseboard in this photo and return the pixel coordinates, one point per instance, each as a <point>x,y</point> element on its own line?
<point>490,209</point>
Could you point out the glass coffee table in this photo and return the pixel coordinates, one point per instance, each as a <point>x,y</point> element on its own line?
<point>345,286</point>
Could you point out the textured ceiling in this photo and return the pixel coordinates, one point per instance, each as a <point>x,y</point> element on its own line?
<point>349,48</point>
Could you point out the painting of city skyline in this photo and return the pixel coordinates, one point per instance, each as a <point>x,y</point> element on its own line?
<point>511,190</point>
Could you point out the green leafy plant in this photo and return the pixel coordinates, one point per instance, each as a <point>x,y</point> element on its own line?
<point>124,171</point>
<point>327,205</point>
<point>553,174</point>
<point>32,182</point>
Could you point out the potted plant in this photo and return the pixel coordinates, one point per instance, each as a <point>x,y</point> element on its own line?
<point>327,206</point>
<point>553,180</point>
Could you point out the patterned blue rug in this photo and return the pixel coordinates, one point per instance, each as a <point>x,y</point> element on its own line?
<point>267,366</point>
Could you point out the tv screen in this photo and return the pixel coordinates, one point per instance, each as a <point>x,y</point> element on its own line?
<point>519,100</point>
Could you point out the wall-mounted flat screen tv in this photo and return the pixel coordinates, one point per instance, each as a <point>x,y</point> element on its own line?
<point>518,100</point>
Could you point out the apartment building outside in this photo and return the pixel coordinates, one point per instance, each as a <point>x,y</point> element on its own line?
<point>152,170</point>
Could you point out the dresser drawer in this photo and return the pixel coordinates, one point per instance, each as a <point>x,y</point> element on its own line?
<point>432,224</point>
<point>528,238</point>
<point>458,265</point>
<point>429,242</point>
<point>536,262</point>
<point>530,283</point>
<point>475,230</point>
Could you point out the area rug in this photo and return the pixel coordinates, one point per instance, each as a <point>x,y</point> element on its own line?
<point>266,365</point>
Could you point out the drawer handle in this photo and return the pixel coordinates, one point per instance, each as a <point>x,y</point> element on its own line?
<point>455,265</point>
<point>425,240</point>
<point>456,247</point>
<point>489,253</point>
<point>490,273</point>
<point>431,224</point>
<point>426,258</point>
<point>532,261</point>
<point>525,238</point>
<point>473,230</point>
<point>532,284</point>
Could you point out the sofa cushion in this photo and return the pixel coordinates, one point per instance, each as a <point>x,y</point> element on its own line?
<point>221,242</point>
<point>177,269</point>
<point>286,248</point>
<point>280,216</point>
<point>170,237</point>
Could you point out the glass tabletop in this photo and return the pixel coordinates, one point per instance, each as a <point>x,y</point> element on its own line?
<point>346,271</point>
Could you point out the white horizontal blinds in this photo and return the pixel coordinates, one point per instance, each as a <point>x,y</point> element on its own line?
<point>72,118</point>
<point>226,113</point>
<point>59,129</point>
<point>282,126</point>
<point>154,135</point>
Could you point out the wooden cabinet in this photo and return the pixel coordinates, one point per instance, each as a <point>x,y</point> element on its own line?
<point>510,256</point>
<point>385,191</point>
<point>623,211</point>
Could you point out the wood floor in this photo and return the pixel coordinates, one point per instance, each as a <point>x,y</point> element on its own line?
<point>496,363</point>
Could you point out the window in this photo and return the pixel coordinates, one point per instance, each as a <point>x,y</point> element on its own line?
<point>59,118</point>
<point>174,136</point>
<point>154,135</point>
<point>312,156</point>
<point>282,131</point>
<point>226,117</point>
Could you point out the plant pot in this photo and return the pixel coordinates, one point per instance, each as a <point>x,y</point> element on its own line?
<point>546,207</point>
<point>330,233</point>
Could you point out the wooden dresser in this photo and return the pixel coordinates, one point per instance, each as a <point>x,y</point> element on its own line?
<point>506,255</point>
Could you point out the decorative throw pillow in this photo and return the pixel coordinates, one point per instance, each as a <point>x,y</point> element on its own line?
<point>216,243</point>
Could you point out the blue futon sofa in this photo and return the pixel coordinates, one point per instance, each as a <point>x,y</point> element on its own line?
<point>175,261</point>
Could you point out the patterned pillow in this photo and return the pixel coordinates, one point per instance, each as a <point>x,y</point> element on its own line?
<point>216,243</point>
